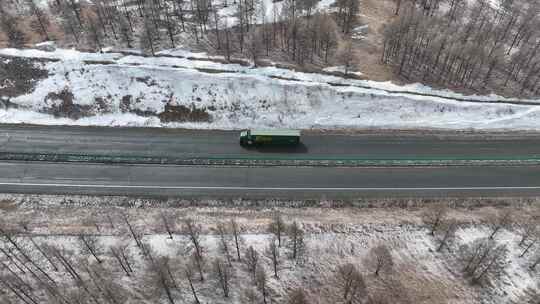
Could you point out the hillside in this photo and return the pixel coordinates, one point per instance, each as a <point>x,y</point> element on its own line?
<point>434,42</point>
<point>193,90</point>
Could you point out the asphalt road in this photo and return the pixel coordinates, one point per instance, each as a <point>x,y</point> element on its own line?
<point>284,182</point>
<point>267,182</point>
<point>216,144</point>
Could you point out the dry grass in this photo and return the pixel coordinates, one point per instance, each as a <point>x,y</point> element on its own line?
<point>67,219</point>
<point>8,205</point>
<point>335,236</point>
<point>375,13</point>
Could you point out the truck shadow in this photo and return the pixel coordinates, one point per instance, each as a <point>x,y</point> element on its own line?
<point>300,148</point>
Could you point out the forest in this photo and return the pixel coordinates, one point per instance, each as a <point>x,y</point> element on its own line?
<point>472,46</point>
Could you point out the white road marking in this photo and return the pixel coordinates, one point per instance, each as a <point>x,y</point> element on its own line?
<point>52,185</point>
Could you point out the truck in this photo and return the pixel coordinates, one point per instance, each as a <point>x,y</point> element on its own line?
<point>270,137</point>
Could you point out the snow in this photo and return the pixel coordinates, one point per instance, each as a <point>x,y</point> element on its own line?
<point>360,32</point>
<point>341,69</point>
<point>517,278</point>
<point>60,54</point>
<point>270,8</point>
<point>334,236</point>
<point>495,4</point>
<point>239,97</point>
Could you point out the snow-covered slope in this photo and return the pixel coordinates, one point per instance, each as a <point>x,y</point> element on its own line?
<point>199,92</point>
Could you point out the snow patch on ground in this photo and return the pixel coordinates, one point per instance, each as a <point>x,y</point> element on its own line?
<point>128,90</point>
<point>341,69</point>
<point>265,10</point>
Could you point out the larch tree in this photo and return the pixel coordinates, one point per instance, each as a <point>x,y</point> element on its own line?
<point>193,231</point>
<point>40,18</point>
<point>222,273</point>
<point>381,259</point>
<point>272,252</point>
<point>434,216</point>
<point>277,226</point>
<point>296,241</point>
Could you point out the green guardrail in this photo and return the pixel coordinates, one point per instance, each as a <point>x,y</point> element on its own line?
<point>293,160</point>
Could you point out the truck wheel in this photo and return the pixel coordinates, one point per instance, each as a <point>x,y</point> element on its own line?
<point>250,142</point>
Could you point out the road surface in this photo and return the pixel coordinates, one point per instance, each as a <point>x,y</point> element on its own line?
<point>267,182</point>
<point>224,144</point>
<point>284,182</point>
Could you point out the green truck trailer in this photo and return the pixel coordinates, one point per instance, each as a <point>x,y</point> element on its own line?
<point>270,137</point>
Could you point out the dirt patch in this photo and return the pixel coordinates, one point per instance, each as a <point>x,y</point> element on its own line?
<point>8,205</point>
<point>182,113</point>
<point>375,13</point>
<point>125,103</point>
<point>126,106</point>
<point>61,105</point>
<point>103,104</point>
<point>98,62</point>
<point>18,76</point>
<point>146,80</point>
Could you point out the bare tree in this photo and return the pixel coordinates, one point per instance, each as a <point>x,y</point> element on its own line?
<point>352,283</point>
<point>434,215</point>
<point>223,275</point>
<point>272,252</point>
<point>398,6</point>
<point>235,228</point>
<point>327,29</point>
<point>381,258</point>
<point>69,21</point>
<point>346,55</point>
<point>41,18</point>
<point>134,234</point>
<point>43,253</point>
<point>162,276</point>
<point>255,45</point>
<point>261,281</point>
<point>167,223</point>
<point>102,281</point>
<point>297,296</point>
<point>533,240</point>
<point>149,35</point>
<point>90,244</point>
<point>189,273</point>
<point>193,231</point>
<point>21,293</point>
<point>252,261</point>
<point>10,239</point>
<point>224,241</point>
<point>446,234</point>
<point>95,33</point>
<point>121,253</point>
<point>503,219</point>
<point>535,260</point>
<point>347,14</point>
<point>483,257</point>
<point>249,296</point>
<point>126,32</point>
<point>528,229</point>
<point>297,243</point>
<point>392,292</point>
<point>277,226</point>
<point>14,33</point>
<point>75,6</point>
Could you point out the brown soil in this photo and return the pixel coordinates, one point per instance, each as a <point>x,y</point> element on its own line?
<point>18,76</point>
<point>66,107</point>
<point>375,13</point>
<point>182,113</point>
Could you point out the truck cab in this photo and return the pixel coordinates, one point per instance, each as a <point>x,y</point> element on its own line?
<point>270,137</point>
